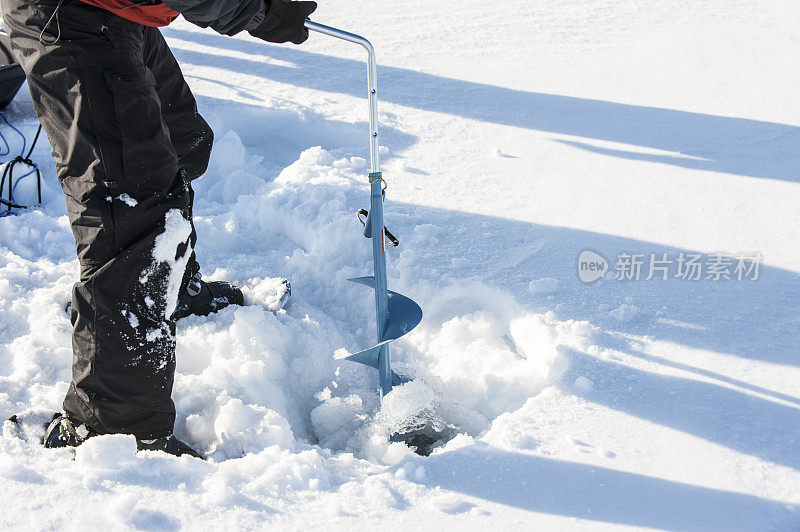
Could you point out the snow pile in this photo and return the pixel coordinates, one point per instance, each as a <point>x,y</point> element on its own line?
<point>487,352</point>
<point>249,378</point>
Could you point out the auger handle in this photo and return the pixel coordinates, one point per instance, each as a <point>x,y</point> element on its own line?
<point>366,223</point>
<point>372,85</point>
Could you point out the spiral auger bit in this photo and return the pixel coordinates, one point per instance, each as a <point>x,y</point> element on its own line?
<point>396,314</point>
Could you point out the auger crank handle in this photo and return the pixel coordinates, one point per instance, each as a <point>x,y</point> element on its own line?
<point>390,238</point>
<point>339,34</point>
<point>372,85</point>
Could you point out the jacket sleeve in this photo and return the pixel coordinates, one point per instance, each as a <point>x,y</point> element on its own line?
<point>228,17</point>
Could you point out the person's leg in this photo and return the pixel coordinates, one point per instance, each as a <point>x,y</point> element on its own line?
<point>190,134</point>
<point>192,138</point>
<point>128,207</point>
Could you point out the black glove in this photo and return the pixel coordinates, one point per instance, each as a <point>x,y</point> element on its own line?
<point>284,21</point>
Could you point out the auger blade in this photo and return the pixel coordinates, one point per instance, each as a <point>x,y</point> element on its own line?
<point>404,313</point>
<point>369,357</point>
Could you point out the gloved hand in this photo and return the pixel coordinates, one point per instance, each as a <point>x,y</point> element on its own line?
<point>284,21</point>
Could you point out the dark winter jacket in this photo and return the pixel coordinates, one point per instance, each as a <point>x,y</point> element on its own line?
<point>225,16</point>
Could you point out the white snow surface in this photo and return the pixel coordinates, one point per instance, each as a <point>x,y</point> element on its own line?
<point>514,137</point>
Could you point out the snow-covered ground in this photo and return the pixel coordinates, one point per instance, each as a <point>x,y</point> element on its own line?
<point>517,135</point>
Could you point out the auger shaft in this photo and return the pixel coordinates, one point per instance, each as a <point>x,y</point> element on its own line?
<point>381,290</point>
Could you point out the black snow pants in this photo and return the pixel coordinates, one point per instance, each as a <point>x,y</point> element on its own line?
<point>127,140</point>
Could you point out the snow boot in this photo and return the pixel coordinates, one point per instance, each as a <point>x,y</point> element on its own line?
<point>169,444</point>
<point>62,432</point>
<point>203,298</point>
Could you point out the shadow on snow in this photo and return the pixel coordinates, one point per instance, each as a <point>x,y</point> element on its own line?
<point>699,141</point>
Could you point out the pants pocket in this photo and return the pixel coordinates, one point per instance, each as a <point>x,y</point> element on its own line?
<point>149,161</point>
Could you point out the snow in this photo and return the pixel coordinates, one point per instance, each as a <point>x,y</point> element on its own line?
<point>543,286</point>
<point>583,385</point>
<point>127,200</point>
<point>177,230</point>
<point>267,292</point>
<point>514,141</point>
<point>625,313</point>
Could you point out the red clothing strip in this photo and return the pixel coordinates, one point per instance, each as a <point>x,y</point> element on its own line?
<point>147,15</point>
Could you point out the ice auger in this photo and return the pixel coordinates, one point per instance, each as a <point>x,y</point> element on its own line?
<point>396,314</point>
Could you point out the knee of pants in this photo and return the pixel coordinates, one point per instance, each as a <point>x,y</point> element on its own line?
<point>108,224</point>
<point>194,159</point>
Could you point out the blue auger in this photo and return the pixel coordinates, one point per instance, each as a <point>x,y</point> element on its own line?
<point>396,314</point>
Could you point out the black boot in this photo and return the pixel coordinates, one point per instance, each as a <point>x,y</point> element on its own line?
<point>169,444</point>
<point>62,432</point>
<point>202,298</point>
